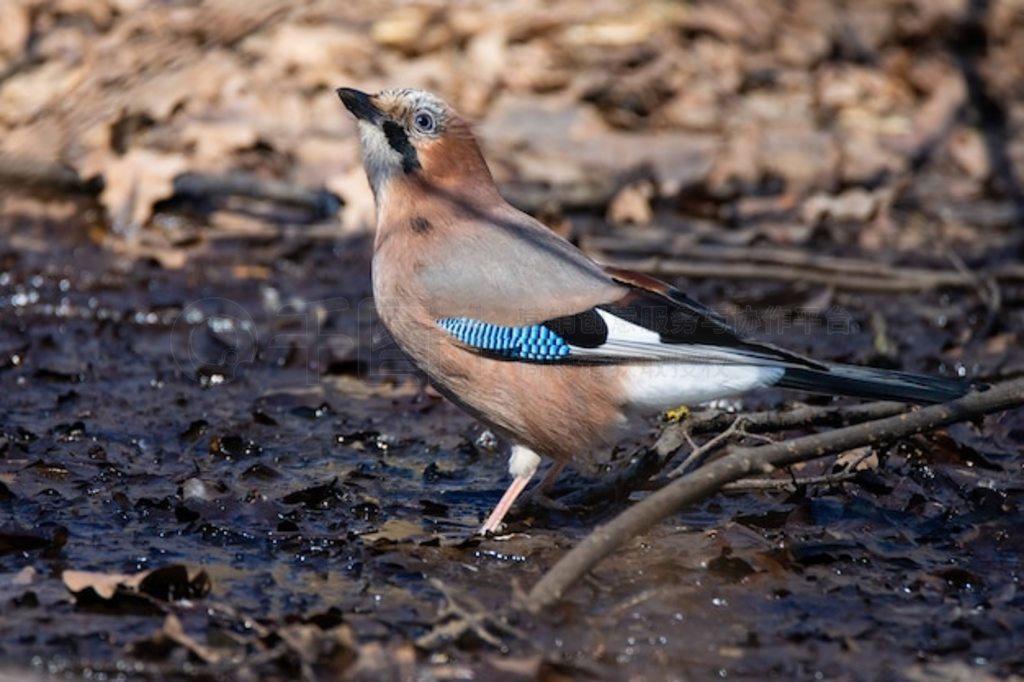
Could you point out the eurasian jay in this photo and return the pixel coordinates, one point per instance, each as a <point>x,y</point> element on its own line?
<point>525,332</point>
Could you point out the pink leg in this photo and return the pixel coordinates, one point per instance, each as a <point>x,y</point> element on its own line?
<point>550,477</point>
<point>515,488</point>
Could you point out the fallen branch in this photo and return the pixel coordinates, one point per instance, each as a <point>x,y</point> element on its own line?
<point>669,243</point>
<point>55,177</point>
<point>742,462</point>
<point>320,202</point>
<point>36,175</point>
<point>906,280</point>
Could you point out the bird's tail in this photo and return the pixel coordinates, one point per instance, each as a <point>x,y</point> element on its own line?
<point>874,384</point>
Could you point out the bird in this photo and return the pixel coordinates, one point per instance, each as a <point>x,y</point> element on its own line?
<point>522,330</point>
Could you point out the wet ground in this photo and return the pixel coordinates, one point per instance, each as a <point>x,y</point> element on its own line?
<point>245,415</point>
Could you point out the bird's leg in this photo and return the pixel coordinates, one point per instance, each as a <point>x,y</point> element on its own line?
<point>522,464</point>
<point>539,496</point>
<point>550,477</point>
<point>493,521</point>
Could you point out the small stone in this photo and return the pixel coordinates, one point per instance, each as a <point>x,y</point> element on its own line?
<point>194,489</point>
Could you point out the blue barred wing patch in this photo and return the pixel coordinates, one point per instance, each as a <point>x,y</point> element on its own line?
<point>535,342</point>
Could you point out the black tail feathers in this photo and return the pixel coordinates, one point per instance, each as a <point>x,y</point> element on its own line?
<point>874,384</point>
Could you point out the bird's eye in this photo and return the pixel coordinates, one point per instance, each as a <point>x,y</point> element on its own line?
<point>424,121</point>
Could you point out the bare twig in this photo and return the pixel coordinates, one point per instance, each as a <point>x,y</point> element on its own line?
<point>455,619</point>
<point>319,202</point>
<point>849,470</point>
<point>742,462</point>
<point>698,453</point>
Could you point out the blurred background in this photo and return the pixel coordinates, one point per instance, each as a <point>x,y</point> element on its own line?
<point>193,371</point>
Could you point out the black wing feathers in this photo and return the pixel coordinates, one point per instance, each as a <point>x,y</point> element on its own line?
<point>584,330</point>
<point>678,319</point>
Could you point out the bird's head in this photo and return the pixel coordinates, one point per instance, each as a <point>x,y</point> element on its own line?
<point>414,135</point>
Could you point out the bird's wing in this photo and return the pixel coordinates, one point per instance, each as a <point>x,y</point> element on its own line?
<point>646,321</point>
<point>504,268</point>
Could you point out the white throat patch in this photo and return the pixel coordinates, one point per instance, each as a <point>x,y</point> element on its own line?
<point>380,160</point>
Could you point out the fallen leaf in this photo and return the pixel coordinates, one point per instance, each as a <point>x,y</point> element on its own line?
<point>167,583</point>
<point>14,28</point>
<point>25,576</point>
<point>632,204</point>
<point>857,205</point>
<point>133,183</point>
<point>968,149</point>
<point>395,530</point>
<point>104,585</point>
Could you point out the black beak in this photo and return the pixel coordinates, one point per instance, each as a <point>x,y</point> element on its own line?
<point>360,104</point>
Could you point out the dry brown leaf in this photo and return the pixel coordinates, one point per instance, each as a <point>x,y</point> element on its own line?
<point>802,156</point>
<point>134,182</point>
<point>864,159</point>
<point>99,12</point>
<point>488,54</point>
<point>632,204</point>
<point>26,576</point>
<point>412,29</point>
<point>395,530</point>
<point>856,204</point>
<point>695,108</point>
<point>933,118</point>
<point>14,28</point>
<point>360,211</point>
<point>174,581</point>
<point>31,93</point>
<point>194,85</point>
<point>105,585</point>
<point>634,26</point>
<point>214,140</point>
<point>861,459</point>
<point>968,149</point>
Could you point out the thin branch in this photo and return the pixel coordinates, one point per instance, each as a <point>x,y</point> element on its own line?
<point>741,462</point>
<point>798,417</point>
<point>849,470</point>
<point>801,258</point>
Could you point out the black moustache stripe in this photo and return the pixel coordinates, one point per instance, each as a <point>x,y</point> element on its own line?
<point>399,141</point>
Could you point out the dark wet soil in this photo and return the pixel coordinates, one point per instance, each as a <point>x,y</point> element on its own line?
<point>245,414</point>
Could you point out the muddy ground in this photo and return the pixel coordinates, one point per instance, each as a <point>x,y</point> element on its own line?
<point>194,382</point>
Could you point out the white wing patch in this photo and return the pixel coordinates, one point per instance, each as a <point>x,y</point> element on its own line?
<point>620,331</point>
<point>629,341</point>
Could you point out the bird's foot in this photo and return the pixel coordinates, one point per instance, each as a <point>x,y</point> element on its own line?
<point>676,414</point>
